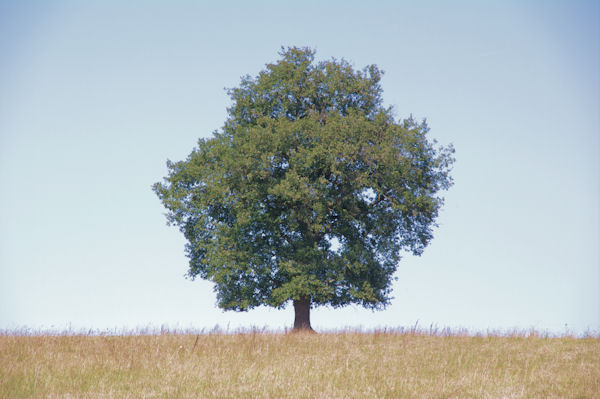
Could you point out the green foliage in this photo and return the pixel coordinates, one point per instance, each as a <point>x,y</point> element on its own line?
<point>310,190</point>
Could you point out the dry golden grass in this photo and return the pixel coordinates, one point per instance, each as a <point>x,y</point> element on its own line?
<point>263,365</point>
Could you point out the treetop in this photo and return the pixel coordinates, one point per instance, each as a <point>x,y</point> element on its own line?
<point>295,86</point>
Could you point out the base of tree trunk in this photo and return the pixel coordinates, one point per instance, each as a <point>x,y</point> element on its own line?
<point>302,315</point>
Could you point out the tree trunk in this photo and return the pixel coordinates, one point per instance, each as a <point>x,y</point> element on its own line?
<point>302,313</point>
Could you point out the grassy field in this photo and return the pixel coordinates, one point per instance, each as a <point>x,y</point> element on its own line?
<point>268,365</point>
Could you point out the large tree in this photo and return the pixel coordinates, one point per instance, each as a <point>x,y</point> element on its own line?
<point>309,192</point>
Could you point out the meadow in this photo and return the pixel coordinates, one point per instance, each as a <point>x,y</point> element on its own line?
<point>258,364</point>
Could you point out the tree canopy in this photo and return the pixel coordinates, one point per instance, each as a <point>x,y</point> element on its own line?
<point>309,192</point>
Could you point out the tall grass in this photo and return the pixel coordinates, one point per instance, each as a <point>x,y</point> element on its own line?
<point>258,364</point>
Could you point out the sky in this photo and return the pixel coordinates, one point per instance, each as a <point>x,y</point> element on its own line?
<point>96,96</point>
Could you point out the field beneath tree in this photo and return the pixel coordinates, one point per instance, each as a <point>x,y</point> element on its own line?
<point>279,365</point>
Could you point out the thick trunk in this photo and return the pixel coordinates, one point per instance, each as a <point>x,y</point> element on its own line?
<point>302,315</point>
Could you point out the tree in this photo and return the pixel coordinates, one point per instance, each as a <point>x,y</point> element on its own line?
<point>309,192</point>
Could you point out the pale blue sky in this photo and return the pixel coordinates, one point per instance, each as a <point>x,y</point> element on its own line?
<point>95,97</point>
